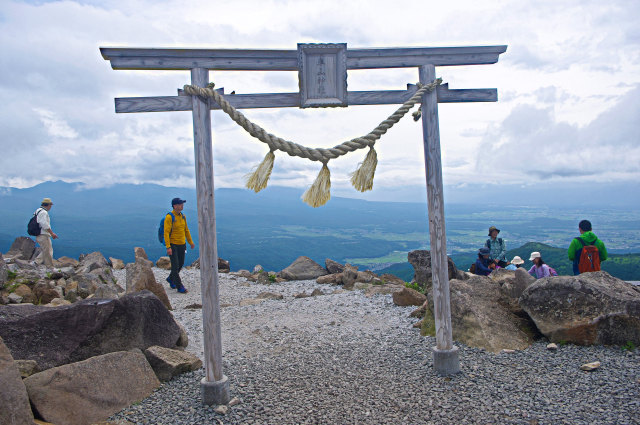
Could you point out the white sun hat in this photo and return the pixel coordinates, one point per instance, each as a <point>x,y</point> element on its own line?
<point>534,255</point>
<point>517,260</point>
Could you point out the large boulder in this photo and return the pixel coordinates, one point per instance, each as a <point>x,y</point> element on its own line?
<point>89,391</point>
<point>14,401</point>
<point>139,252</point>
<point>303,268</point>
<point>512,283</point>
<point>479,319</point>
<point>167,362</point>
<point>22,248</point>
<point>53,336</point>
<point>421,261</point>
<point>591,308</point>
<point>333,267</point>
<point>140,277</point>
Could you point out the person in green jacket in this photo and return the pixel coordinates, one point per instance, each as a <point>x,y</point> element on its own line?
<point>589,238</point>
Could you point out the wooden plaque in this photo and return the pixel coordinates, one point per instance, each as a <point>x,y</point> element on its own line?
<point>322,72</point>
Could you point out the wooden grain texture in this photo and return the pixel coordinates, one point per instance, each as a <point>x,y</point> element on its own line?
<point>286,60</point>
<point>292,100</point>
<point>437,231</point>
<point>202,145</point>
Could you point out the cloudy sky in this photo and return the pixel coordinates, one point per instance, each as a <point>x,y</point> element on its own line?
<point>568,87</point>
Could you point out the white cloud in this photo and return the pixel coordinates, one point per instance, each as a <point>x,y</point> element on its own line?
<point>564,80</point>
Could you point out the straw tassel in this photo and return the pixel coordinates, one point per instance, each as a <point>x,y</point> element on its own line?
<point>362,178</point>
<point>319,192</point>
<point>257,180</point>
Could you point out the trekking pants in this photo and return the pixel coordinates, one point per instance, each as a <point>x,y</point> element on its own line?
<point>46,247</point>
<point>177,261</point>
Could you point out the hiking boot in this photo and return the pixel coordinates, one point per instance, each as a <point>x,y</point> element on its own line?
<point>182,289</point>
<point>171,285</point>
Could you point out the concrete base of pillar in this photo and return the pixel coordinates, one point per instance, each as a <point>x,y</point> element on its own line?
<point>446,362</point>
<point>215,393</point>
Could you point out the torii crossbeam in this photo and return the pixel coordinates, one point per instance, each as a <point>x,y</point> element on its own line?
<point>319,66</point>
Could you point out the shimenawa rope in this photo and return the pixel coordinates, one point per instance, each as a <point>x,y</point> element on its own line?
<point>319,192</point>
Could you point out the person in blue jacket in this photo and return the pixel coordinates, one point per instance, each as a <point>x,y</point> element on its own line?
<point>484,266</point>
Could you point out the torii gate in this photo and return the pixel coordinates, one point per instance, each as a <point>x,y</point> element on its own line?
<point>322,71</point>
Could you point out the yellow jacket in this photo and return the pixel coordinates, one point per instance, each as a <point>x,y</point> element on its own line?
<point>176,232</point>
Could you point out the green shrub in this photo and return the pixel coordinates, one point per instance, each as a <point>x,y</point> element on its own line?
<point>629,346</point>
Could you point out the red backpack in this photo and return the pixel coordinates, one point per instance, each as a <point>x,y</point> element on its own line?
<point>589,257</point>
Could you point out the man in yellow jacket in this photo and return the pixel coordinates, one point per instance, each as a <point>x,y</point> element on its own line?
<point>176,236</point>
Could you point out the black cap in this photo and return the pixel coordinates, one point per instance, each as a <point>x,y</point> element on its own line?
<point>176,201</point>
<point>484,251</point>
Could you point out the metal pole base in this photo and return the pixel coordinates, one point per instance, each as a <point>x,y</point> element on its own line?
<point>446,362</point>
<point>215,393</point>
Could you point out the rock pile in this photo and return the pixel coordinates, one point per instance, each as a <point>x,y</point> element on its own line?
<point>75,326</point>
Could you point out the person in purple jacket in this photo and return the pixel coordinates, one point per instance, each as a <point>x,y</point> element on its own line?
<point>540,269</point>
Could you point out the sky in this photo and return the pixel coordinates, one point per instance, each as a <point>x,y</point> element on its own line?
<point>568,89</point>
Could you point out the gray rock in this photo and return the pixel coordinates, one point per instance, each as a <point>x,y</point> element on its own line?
<point>269,296</point>
<point>479,319</point>
<point>14,298</point>
<point>303,268</point>
<point>22,248</point>
<point>116,263</point>
<point>164,263</point>
<point>141,277</point>
<point>333,279</point>
<point>27,367</point>
<point>407,297</point>
<point>91,262</point>
<point>140,253</point>
<point>105,291</point>
<point>61,396</point>
<point>67,262</point>
<point>349,276</point>
<point>333,267</point>
<point>591,308</point>
<point>421,262</point>
<point>54,336</point>
<point>167,362</point>
<point>14,401</point>
<point>263,278</point>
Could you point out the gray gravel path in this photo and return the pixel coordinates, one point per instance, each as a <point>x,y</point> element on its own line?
<point>349,359</point>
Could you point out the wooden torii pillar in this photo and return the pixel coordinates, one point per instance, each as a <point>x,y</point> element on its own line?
<point>319,65</point>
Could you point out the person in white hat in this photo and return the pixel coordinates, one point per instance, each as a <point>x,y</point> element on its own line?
<point>516,263</point>
<point>46,233</point>
<point>540,269</point>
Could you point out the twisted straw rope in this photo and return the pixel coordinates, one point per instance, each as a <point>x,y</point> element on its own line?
<point>314,154</point>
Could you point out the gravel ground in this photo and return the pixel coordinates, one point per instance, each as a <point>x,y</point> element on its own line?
<point>345,358</point>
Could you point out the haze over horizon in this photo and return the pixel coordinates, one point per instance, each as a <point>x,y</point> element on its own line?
<point>568,89</point>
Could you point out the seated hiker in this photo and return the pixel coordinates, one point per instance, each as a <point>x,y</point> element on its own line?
<point>497,247</point>
<point>484,266</point>
<point>540,269</point>
<point>515,264</point>
<point>586,251</point>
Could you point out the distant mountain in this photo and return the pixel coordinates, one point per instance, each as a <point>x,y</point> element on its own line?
<point>274,227</point>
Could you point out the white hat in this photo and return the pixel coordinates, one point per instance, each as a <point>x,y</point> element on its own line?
<point>534,255</point>
<point>517,260</point>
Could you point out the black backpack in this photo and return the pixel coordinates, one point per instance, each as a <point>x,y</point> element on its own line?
<point>33,228</point>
